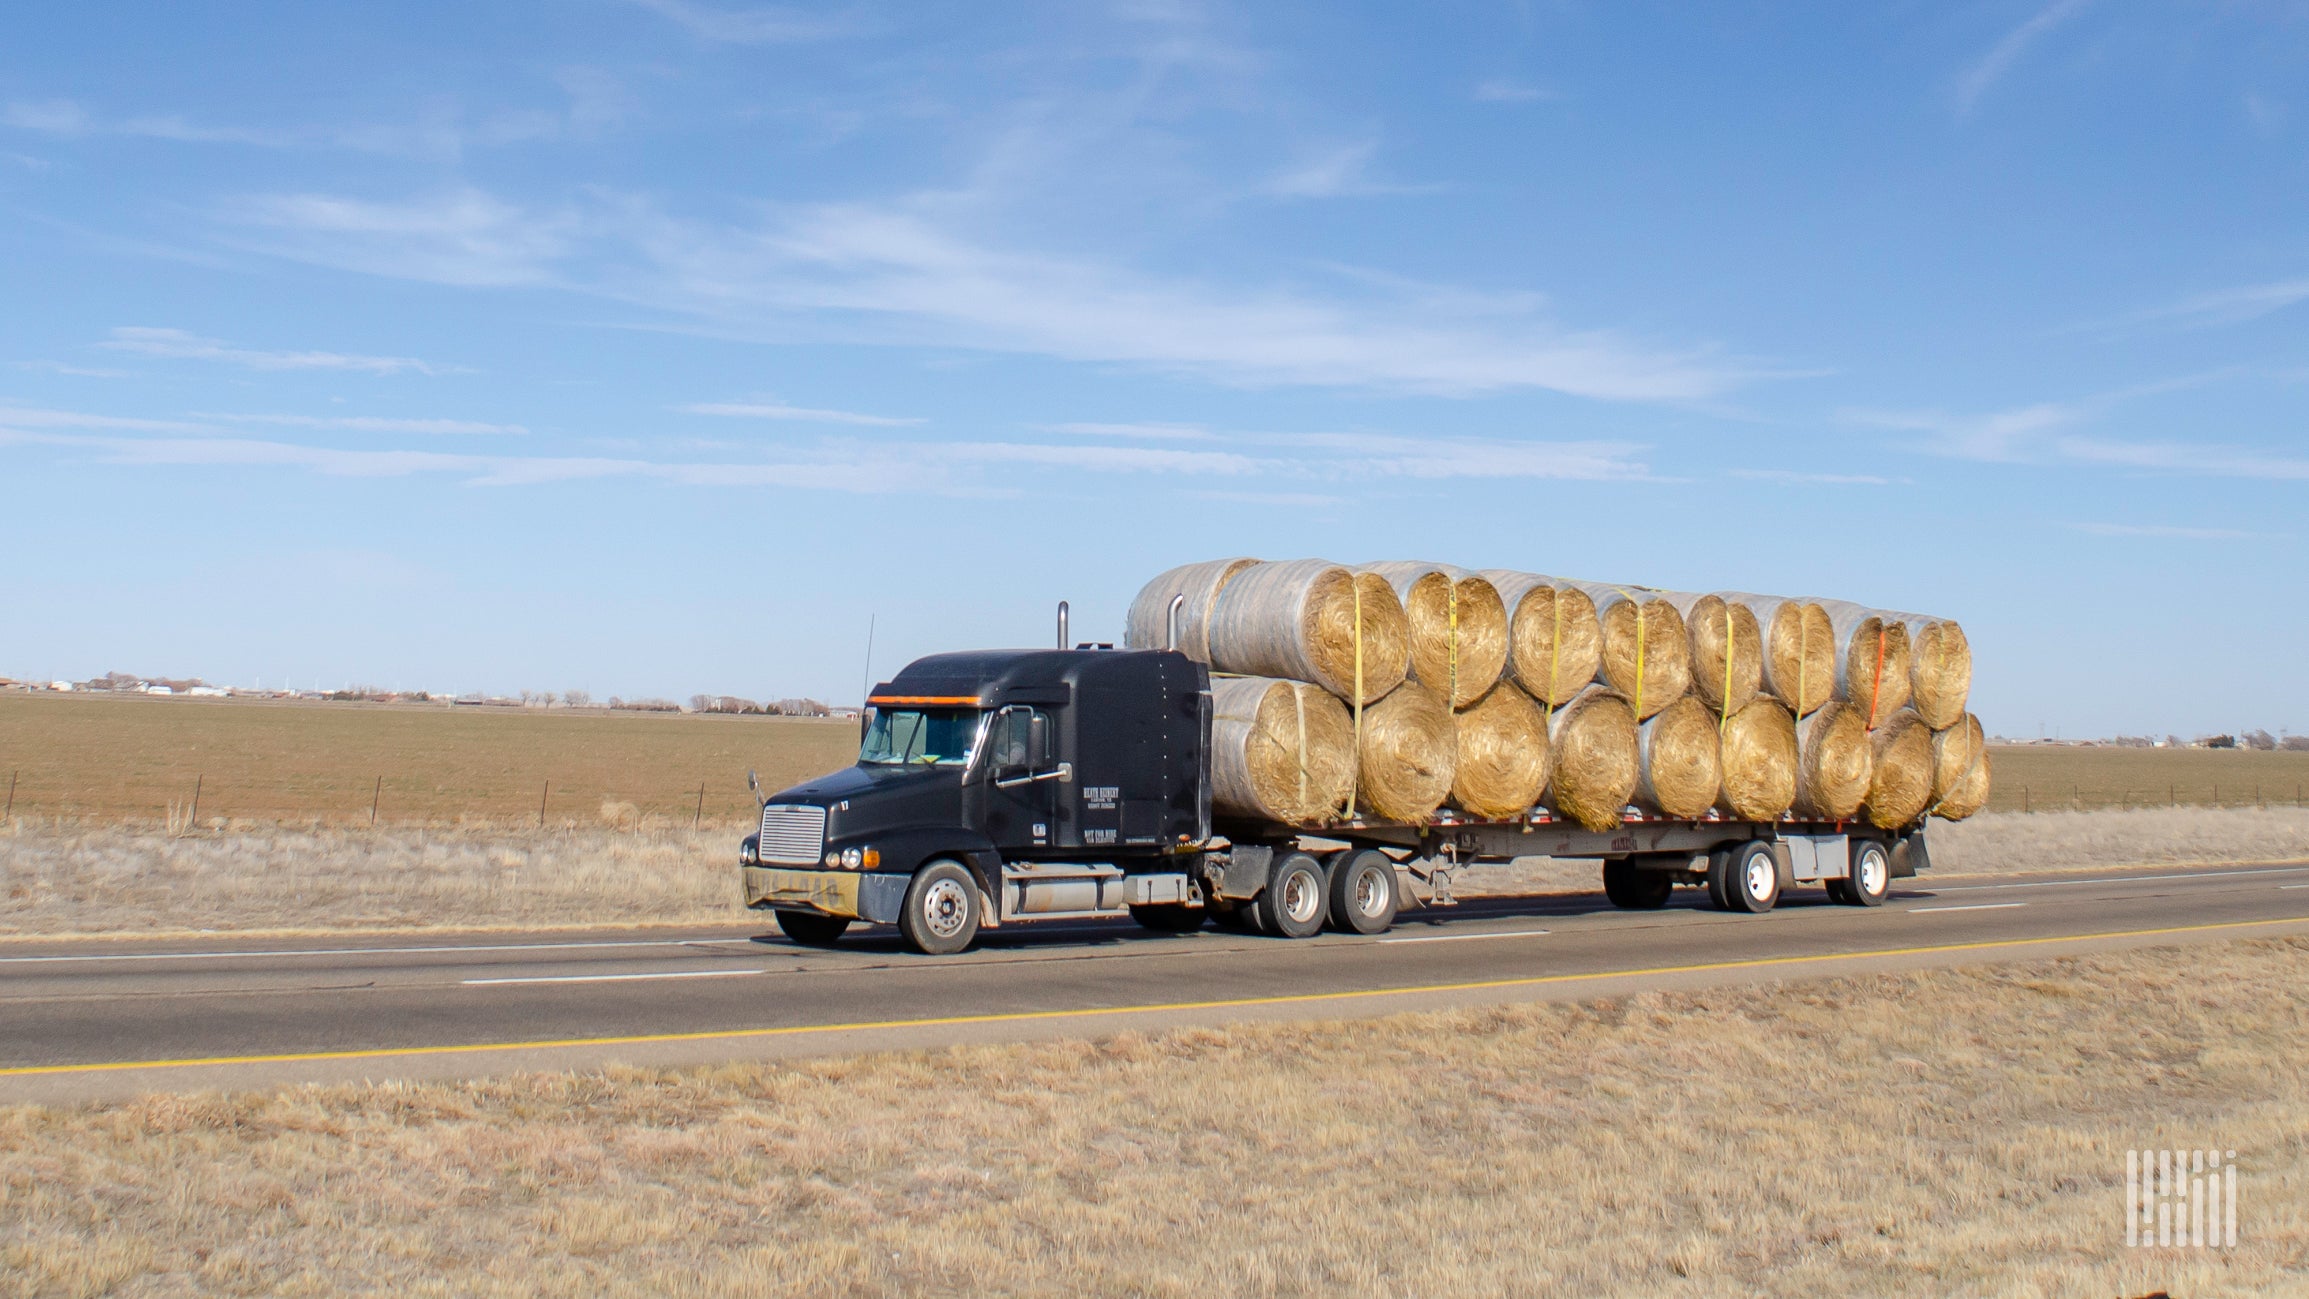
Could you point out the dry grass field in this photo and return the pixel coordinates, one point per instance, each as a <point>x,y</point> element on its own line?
<point>95,759</point>
<point>98,759</point>
<point>1948,1132</point>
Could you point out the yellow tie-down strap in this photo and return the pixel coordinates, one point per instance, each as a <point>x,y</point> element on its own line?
<point>833,892</point>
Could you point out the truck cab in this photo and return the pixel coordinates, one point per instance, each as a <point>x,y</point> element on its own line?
<point>994,786</point>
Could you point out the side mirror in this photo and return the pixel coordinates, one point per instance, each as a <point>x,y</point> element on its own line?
<point>1038,743</point>
<point>754,783</point>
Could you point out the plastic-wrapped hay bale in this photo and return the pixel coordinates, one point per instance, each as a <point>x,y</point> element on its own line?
<point>1148,624</point>
<point>1502,765</point>
<point>1939,668</point>
<point>1308,620</point>
<point>1899,770</point>
<point>1679,760</point>
<point>1727,650</point>
<point>1759,761</point>
<point>1553,640</point>
<point>1408,750</point>
<point>1593,739</point>
<point>1647,654</point>
<point>1458,627</point>
<point>1959,769</point>
<point>1280,750</point>
<point>1871,660</point>
<point>1799,649</point>
<point>1832,762</point>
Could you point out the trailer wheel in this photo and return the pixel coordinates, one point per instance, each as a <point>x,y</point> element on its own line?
<point>1635,889</point>
<point>1744,878</point>
<point>940,914</point>
<point>811,929</point>
<point>1363,897</point>
<point>1168,917</point>
<point>1871,876</point>
<point>1292,905</point>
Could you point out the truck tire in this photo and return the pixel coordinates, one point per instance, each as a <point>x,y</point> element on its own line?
<point>1363,897</point>
<point>1744,878</point>
<point>1634,889</point>
<point>1871,876</point>
<point>940,914</point>
<point>1169,917</point>
<point>1293,903</point>
<point>811,929</point>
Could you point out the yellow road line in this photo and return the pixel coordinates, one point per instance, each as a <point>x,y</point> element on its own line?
<point>1012,1017</point>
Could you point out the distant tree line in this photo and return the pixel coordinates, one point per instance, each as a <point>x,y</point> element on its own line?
<point>2259,741</point>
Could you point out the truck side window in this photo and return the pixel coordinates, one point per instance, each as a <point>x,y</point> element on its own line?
<point>1010,737</point>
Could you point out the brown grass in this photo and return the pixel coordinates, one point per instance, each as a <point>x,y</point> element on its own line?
<point>2045,777</point>
<point>94,759</point>
<point>1953,1131</point>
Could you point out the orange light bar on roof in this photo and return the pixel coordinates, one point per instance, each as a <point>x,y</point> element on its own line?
<point>927,701</point>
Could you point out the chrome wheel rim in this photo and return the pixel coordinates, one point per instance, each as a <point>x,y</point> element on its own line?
<point>1370,893</point>
<point>945,908</point>
<point>1301,896</point>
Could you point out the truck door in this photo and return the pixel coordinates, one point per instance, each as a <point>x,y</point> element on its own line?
<point>1024,778</point>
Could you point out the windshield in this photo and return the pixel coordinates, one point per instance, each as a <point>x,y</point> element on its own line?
<point>940,737</point>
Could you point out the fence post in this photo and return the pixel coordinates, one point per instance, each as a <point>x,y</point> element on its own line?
<point>700,814</point>
<point>374,795</point>
<point>542,795</point>
<point>10,814</point>
<point>2024,798</point>
<point>192,821</point>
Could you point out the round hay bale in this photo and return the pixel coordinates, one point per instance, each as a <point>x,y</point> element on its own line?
<point>1871,660</point>
<point>1148,624</point>
<point>1939,669</point>
<point>1502,763</point>
<point>1727,651</point>
<point>1553,641</point>
<point>1280,750</point>
<point>1406,755</point>
<point>1647,653</point>
<point>1832,762</point>
<point>1680,763</point>
<point>1458,628</point>
<point>1593,740</point>
<point>1308,620</point>
<point>1959,769</point>
<point>1759,761</point>
<point>1900,770</point>
<point>1799,649</point>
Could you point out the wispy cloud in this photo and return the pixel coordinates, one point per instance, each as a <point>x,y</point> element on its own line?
<point>2042,433</point>
<point>890,275</point>
<point>1999,59</point>
<point>1342,171</point>
<point>34,417</point>
<point>1285,500</point>
<point>178,344</point>
<point>2210,459</point>
<point>1156,432</point>
<point>594,100</point>
<point>2005,435</point>
<point>2164,530</point>
<point>806,414</point>
<point>1803,476</point>
<point>1500,90</point>
<point>2232,306</point>
<point>76,371</point>
<point>751,26</point>
<point>374,424</point>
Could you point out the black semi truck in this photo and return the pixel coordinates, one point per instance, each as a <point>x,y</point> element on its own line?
<point>1002,786</point>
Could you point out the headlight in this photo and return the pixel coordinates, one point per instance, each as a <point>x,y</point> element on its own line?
<point>833,861</point>
<point>852,859</point>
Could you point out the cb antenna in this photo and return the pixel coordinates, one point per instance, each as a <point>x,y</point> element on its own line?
<point>866,686</point>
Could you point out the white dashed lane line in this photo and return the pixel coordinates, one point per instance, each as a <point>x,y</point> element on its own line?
<point>1463,938</point>
<point>1976,906</point>
<point>610,978</point>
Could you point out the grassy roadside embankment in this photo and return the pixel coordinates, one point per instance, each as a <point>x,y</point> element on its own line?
<point>1953,1131</point>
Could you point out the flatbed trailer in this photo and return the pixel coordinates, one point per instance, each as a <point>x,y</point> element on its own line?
<point>1005,787</point>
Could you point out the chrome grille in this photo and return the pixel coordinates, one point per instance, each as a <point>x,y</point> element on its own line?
<point>793,834</point>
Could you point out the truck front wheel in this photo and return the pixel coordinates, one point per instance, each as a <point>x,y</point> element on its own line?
<point>940,914</point>
<point>1292,906</point>
<point>811,929</point>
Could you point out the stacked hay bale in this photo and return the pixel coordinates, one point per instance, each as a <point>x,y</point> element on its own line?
<point>1391,691</point>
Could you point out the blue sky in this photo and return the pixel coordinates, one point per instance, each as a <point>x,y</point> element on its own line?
<point>655,347</point>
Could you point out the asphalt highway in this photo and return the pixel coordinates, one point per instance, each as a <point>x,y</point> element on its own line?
<point>97,1020</point>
